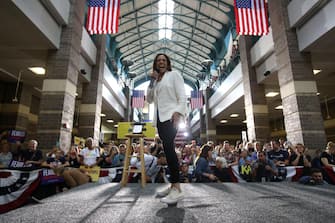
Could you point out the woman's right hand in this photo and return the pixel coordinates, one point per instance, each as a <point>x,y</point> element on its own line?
<point>154,75</point>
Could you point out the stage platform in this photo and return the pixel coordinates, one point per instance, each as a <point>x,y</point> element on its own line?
<point>226,202</point>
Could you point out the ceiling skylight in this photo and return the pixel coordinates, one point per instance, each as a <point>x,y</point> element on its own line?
<point>165,21</point>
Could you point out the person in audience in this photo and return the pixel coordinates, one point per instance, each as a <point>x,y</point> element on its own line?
<point>122,153</point>
<point>157,147</point>
<point>203,173</point>
<point>300,158</point>
<point>113,159</point>
<point>328,156</point>
<point>57,161</point>
<point>5,155</point>
<point>72,176</point>
<point>89,156</point>
<point>258,147</point>
<point>220,170</point>
<point>185,176</point>
<point>73,157</point>
<point>230,156</point>
<point>263,169</point>
<point>244,165</point>
<point>316,178</point>
<point>316,162</point>
<point>277,155</point>
<point>153,166</point>
<point>187,154</point>
<point>17,151</point>
<point>33,156</point>
<point>195,151</point>
<point>52,152</point>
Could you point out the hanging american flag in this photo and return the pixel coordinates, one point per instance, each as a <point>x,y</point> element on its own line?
<point>138,99</point>
<point>251,17</point>
<point>196,99</point>
<point>103,16</point>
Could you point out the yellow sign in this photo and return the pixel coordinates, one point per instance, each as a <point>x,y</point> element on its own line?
<point>245,169</point>
<point>94,172</point>
<point>79,140</point>
<point>125,128</point>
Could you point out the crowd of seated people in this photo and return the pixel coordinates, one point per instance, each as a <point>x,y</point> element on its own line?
<point>198,163</point>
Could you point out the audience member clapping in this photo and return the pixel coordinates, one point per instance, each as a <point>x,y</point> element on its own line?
<point>300,158</point>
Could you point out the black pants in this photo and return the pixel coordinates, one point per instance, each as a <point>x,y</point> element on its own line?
<point>167,133</point>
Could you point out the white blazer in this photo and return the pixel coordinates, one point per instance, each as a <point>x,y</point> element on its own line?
<point>168,96</point>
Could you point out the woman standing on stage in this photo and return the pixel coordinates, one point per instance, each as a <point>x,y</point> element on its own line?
<point>167,91</point>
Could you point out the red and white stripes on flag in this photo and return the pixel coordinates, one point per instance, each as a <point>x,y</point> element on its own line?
<point>137,99</point>
<point>15,187</point>
<point>251,17</point>
<point>103,16</point>
<point>197,100</point>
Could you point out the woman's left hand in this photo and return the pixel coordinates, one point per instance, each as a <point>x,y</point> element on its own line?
<point>175,119</point>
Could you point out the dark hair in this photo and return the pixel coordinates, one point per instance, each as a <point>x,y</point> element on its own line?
<point>315,170</point>
<point>154,66</point>
<point>160,154</point>
<point>204,151</point>
<point>263,152</point>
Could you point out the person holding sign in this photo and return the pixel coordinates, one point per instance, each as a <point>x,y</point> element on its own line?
<point>167,92</point>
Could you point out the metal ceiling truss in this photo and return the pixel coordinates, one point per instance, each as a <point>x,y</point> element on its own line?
<point>190,43</point>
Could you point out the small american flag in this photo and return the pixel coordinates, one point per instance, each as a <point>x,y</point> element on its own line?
<point>196,99</point>
<point>138,99</point>
<point>251,17</point>
<point>103,16</point>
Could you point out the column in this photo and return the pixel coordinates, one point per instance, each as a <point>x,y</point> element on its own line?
<point>59,88</point>
<point>90,108</point>
<point>203,135</point>
<point>210,123</point>
<point>256,108</point>
<point>23,109</point>
<point>129,111</point>
<point>301,106</point>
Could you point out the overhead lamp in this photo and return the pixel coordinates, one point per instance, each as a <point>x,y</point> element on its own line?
<point>271,94</point>
<point>223,121</point>
<point>245,121</point>
<point>318,93</point>
<point>185,134</point>
<point>102,115</point>
<point>116,126</point>
<point>279,107</point>
<point>207,63</point>
<point>37,70</point>
<point>131,75</point>
<point>110,120</point>
<point>234,115</point>
<point>315,72</point>
<point>127,63</point>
